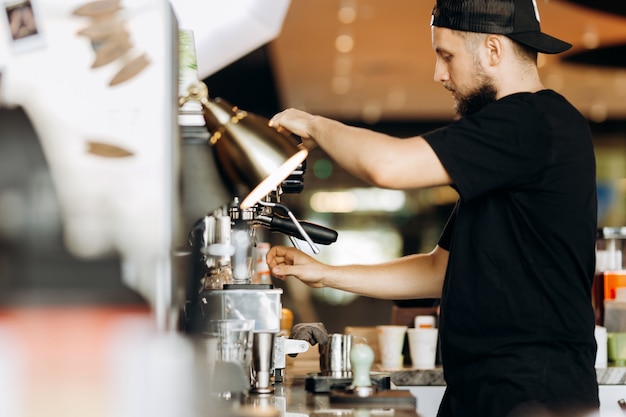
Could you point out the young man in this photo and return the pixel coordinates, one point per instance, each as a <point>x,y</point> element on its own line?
<point>515,262</point>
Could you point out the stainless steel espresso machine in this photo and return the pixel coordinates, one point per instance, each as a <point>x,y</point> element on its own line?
<point>223,241</point>
<point>226,286</point>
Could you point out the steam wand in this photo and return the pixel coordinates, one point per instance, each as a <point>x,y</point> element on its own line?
<point>304,234</point>
<point>294,242</point>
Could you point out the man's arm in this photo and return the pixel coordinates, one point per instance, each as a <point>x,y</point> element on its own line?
<point>409,277</point>
<point>379,159</point>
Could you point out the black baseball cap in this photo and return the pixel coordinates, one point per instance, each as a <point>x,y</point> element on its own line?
<point>517,19</point>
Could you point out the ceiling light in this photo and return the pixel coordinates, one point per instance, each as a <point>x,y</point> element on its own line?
<point>344,43</point>
<point>590,38</point>
<point>371,112</point>
<point>346,15</point>
<point>598,112</point>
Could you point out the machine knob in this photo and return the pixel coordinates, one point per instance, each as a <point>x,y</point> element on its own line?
<point>294,183</point>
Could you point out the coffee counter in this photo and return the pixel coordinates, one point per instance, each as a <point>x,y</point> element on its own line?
<point>428,386</point>
<point>434,377</point>
<point>293,400</point>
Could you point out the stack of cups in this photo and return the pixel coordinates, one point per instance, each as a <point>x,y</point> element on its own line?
<point>423,342</point>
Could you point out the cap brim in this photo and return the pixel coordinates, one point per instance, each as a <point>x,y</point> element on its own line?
<point>541,42</point>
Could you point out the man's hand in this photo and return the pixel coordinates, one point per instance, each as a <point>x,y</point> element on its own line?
<point>284,261</point>
<point>297,122</point>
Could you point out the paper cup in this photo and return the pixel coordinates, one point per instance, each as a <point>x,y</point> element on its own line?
<point>390,344</point>
<point>423,347</point>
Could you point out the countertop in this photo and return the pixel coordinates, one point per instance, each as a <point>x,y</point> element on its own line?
<point>427,386</point>
<point>434,377</point>
<point>291,399</point>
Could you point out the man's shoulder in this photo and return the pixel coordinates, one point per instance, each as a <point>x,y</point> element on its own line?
<point>541,105</point>
<point>537,99</point>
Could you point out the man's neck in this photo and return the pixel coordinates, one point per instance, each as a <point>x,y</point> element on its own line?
<point>521,81</point>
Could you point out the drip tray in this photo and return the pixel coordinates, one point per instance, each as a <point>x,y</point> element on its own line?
<point>321,384</point>
<point>398,399</point>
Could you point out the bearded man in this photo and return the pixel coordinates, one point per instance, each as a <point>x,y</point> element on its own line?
<point>515,262</point>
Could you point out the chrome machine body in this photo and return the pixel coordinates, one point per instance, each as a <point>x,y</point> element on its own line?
<point>256,163</point>
<point>223,282</point>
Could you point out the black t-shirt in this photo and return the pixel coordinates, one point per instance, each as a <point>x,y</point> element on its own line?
<point>516,315</point>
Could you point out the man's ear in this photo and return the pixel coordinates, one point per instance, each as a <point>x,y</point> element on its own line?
<point>495,48</point>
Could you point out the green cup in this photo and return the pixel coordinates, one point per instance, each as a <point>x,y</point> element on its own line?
<point>616,345</point>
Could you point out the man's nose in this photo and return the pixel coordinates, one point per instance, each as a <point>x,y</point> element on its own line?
<point>441,72</point>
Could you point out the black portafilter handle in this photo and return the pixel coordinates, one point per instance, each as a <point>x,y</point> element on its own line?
<point>318,234</point>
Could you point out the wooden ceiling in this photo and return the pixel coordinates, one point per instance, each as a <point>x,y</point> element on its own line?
<point>372,60</point>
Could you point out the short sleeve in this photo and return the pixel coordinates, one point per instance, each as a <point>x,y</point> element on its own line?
<point>501,146</point>
<point>445,240</point>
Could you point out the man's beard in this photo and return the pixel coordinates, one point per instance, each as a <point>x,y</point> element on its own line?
<point>470,103</point>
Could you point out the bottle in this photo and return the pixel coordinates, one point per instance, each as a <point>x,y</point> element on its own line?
<point>262,270</point>
<point>286,322</point>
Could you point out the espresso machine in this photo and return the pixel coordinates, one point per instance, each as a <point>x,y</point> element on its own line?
<point>226,285</point>
<point>223,283</point>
